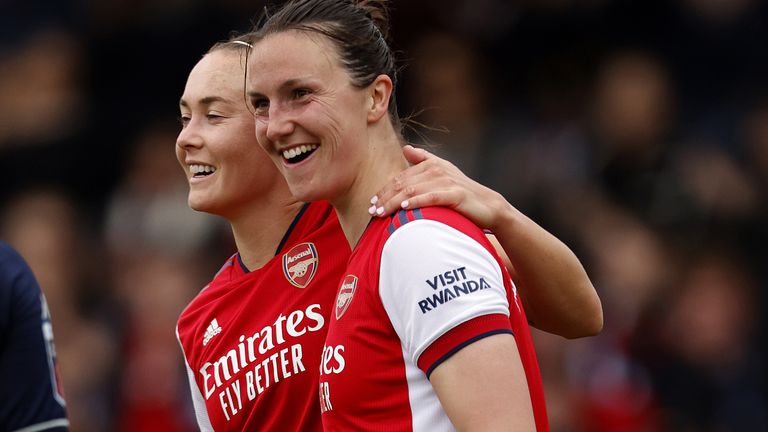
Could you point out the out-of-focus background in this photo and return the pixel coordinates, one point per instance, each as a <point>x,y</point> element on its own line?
<point>636,131</point>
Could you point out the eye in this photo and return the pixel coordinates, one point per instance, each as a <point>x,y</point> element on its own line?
<point>301,93</point>
<point>260,106</point>
<point>214,117</point>
<point>184,120</point>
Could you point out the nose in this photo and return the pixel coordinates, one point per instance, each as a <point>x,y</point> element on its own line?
<point>189,137</point>
<point>280,124</point>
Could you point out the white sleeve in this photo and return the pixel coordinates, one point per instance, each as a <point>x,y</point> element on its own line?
<point>434,278</point>
<point>201,412</point>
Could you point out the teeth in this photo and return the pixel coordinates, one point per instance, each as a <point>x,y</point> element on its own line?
<point>200,169</point>
<point>293,152</point>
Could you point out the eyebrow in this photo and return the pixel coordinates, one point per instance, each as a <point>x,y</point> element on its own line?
<point>286,84</point>
<point>208,100</point>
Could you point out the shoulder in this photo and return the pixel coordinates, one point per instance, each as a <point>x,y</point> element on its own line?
<point>430,218</point>
<point>225,274</point>
<point>227,271</point>
<point>433,235</point>
<point>11,263</point>
<point>16,278</point>
<point>6,251</point>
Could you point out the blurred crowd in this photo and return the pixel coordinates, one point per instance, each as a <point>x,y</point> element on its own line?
<point>636,131</point>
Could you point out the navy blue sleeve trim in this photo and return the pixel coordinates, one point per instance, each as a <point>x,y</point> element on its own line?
<point>458,347</point>
<point>391,228</point>
<point>401,218</point>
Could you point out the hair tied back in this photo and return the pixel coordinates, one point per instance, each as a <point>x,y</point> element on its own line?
<point>377,12</point>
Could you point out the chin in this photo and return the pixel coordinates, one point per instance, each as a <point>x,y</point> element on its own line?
<point>197,203</point>
<point>306,194</point>
<point>196,206</point>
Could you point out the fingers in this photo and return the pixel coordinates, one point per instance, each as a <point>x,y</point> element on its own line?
<point>430,181</point>
<point>391,198</point>
<point>383,198</point>
<point>405,182</point>
<point>423,192</point>
<point>416,200</point>
<point>448,198</point>
<point>415,155</point>
<point>433,181</point>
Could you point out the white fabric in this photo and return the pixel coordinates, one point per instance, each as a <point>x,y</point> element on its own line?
<point>427,414</point>
<point>201,413</point>
<point>413,257</point>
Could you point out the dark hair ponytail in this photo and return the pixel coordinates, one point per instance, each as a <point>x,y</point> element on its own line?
<point>378,12</point>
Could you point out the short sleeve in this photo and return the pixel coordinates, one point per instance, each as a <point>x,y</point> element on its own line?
<point>438,284</point>
<point>31,394</point>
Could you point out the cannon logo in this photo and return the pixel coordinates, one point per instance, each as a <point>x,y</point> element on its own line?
<point>300,264</point>
<point>347,290</point>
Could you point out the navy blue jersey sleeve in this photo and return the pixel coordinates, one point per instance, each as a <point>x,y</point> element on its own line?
<point>30,395</point>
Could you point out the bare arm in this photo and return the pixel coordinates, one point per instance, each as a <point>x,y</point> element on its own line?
<point>493,397</point>
<point>557,294</point>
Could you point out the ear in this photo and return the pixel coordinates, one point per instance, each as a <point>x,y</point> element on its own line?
<point>380,91</point>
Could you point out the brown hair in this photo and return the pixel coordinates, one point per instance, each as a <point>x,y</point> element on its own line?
<point>357,28</point>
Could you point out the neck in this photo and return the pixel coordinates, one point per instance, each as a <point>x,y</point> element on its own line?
<point>385,161</point>
<point>259,227</point>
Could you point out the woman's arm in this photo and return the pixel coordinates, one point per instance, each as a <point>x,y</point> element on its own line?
<point>557,294</point>
<point>491,397</point>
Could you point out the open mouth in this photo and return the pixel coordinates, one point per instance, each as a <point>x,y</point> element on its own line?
<point>298,154</point>
<point>200,171</point>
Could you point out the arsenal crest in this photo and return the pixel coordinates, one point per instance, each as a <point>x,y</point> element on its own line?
<point>347,290</point>
<point>300,264</point>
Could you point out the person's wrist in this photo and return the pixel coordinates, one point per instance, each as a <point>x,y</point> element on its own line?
<point>505,215</point>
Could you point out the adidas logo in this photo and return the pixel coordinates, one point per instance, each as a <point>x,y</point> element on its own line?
<point>212,330</point>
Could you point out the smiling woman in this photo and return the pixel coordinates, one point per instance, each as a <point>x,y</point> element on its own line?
<point>310,110</point>
<point>253,337</point>
<point>216,146</point>
<point>246,356</point>
<point>400,354</point>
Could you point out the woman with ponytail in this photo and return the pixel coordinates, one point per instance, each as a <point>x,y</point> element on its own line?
<point>428,332</point>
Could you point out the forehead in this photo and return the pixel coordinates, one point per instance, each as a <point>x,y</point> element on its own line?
<point>220,73</point>
<point>292,54</point>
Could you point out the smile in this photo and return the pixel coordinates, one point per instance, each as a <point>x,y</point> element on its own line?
<point>201,170</point>
<point>298,154</point>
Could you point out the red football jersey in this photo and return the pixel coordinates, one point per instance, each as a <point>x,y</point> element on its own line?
<point>418,287</point>
<point>252,341</point>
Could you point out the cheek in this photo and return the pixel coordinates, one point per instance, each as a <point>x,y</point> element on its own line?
<point>260,130</point>
<point>245,152</point>
<point>180,156</point>
<point>331,125</point>
<point>348,136</point>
